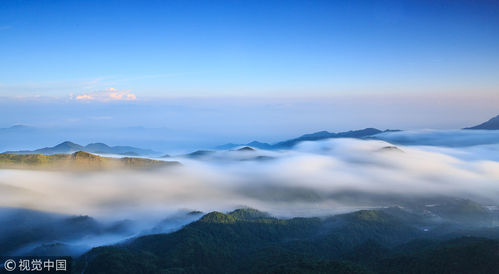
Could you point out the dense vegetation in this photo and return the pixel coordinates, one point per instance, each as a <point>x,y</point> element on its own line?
<point>249,241</point>
<point>79,160</point>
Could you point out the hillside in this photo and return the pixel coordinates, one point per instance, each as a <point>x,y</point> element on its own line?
<point>326,135</point>
<point>77,161</point>
<point>249,241</point>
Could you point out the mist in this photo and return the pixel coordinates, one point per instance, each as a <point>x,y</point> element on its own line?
<point>306,177</point>
<point>444,138</point>
<point>176,124</point>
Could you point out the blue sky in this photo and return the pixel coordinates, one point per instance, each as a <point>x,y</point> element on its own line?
<point>66,62</point>
<point>183,48</point>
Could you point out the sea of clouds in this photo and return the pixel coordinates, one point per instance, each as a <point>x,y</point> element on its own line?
<point>314,178</point>
<point>306,178</point>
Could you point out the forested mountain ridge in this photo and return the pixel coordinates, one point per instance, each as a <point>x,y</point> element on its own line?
<point>249,241</point>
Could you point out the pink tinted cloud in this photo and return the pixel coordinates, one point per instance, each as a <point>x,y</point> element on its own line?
<point>109,94</point>
<point>84,97</point>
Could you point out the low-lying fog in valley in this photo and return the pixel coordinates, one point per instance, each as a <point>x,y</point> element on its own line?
<point>313,179</point>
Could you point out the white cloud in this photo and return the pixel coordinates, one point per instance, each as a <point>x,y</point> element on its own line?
<point>109,94</point>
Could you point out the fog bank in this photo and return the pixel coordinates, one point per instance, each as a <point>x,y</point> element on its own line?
<point>305,181</point>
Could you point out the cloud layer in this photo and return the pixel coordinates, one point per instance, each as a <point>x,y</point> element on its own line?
<point>325,177</point>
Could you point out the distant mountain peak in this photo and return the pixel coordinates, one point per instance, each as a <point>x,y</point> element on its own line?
<point>491,124</point>
<point>18,127</point>
<point>246,148</point>
<point>67,143</point>
<point>253,144</point>
<point>199,154</point>
<point>97,146</point>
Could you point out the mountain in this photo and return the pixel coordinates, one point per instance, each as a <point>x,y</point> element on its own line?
<point>40,233</point>
<point>326,135</point>
<point>390,149</point>
<point>254,144</point>
<point>100,148</point>
<point>199,154</point>
<point>246,148</point>
<point>77,161</point>
<point>244,153</point>
<point>320,135</point>
<point>121,150</point>
<point>243,241</point>
<point>250,241</point>
<point>16,128</point>
<point>492,124</point>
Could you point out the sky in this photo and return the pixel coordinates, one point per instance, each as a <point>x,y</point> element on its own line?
<point>249,69</point>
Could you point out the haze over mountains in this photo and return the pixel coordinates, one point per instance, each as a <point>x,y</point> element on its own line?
<point>391,240</point>
<point>321,135</point>
<point>456,138</point>
<point>419,237</point>
<point>99,148</point>
<point>426,137</point>
<point>492,124</point>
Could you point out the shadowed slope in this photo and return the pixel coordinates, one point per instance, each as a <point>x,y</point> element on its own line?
<point>492,124</point>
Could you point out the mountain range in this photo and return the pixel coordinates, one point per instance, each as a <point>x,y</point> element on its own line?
<point>320,135</point>
<point>99,148</point>
<point>428,235</point>
<point>389,240</point>
<point>492,124</point>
